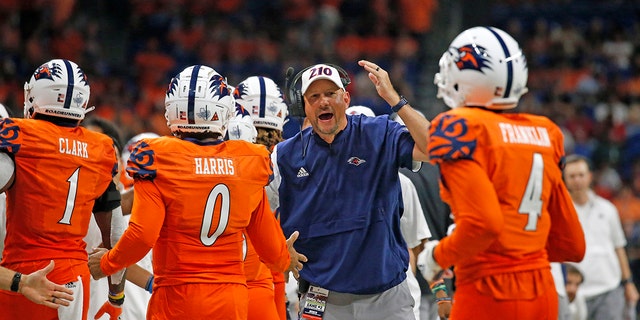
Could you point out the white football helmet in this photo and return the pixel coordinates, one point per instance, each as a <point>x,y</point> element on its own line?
<point>263,99</point>
<point>199,100</point>
<point>485,67</point>
<point>58,88</point>
<point>241,126</point>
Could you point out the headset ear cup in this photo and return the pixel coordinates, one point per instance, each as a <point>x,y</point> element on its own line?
<point>296,101</point>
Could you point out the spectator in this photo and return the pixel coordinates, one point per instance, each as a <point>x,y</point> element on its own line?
<point>607,277</point>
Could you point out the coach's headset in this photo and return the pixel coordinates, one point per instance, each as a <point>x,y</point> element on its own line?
<point>294,96</point>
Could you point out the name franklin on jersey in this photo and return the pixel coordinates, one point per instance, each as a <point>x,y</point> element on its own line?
<point>73,147</point>
<point>512,133</point>
<point>213,166</point>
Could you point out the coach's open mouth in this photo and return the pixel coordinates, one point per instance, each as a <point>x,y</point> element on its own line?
<point>325,116</point>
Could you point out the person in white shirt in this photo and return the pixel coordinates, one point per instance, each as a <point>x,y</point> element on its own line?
<point>607,276</point>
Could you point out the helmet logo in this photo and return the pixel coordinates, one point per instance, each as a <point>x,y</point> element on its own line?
<point>83,76</point>
<point>215,117</point>
<point>241,111</point>
<point>472,57</point>
<point>78,100</point>
<point>235,133</point>
<point>205,114</point>
<point>273,107</point>
<point>44,72</point>
<point>172,86</point>
<point>241,90</point>
<point>218,84</point>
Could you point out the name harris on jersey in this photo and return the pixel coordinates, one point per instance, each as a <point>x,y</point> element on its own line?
<point>214,166</point>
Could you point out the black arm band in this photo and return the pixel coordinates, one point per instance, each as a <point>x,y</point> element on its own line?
<point>15,284</point>
<point>109,200</point>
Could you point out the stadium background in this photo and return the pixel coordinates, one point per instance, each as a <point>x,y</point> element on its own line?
<point>584,57</point>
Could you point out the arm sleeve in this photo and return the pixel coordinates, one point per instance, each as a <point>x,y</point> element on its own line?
<point>267,237</point>
<point>109,200</point>
<point>566,238</point>
<point>147,218</point>
<point>478,218</point>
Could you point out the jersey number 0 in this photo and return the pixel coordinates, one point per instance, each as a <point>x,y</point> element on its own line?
<point>221,192</point>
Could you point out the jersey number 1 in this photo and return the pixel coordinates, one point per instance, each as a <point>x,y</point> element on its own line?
<point>71,197</point>
<point>531,202</point>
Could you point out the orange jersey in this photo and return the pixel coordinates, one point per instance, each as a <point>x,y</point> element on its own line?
<point>257,273</point>
<point>60,172</point>
<point>192,202</point>
<point>501,175</point>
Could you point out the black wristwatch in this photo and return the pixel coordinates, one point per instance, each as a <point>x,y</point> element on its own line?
<point>403,102</point>
<point>15,284</point>
<point>626,281</point>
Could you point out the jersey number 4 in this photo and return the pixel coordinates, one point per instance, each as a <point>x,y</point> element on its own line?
<point>531,202</point>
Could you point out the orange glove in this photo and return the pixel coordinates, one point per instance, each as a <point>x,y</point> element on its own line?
<point>112,310</point>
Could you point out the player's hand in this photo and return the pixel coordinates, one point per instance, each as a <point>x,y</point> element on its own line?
<point>296,258</point>
<point>426,264</point>
<point>444,309</point>
<point>109,308</point>
<point>94,262</point>
<point>37,288</point>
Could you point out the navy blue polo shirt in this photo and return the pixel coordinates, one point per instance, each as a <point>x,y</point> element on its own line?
<point>345,200</point>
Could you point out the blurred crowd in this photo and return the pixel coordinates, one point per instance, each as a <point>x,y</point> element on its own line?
<point>130,48</point>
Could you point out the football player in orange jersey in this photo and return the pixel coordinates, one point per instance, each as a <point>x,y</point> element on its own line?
<point>195,195</point>
<point>63,173</point>
<point>263,101</point>
<point>501,175</point>
<point>38,289</point>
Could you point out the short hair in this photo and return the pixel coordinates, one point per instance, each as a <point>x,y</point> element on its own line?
<point>574,158</point>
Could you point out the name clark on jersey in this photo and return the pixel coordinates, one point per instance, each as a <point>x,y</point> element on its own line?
<point>513,133</point>
<point>73,147</point>
<point>214,166</point>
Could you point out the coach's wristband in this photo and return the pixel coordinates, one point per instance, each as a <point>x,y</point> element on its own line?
<point>15,284</point>
<point>403,102</point>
